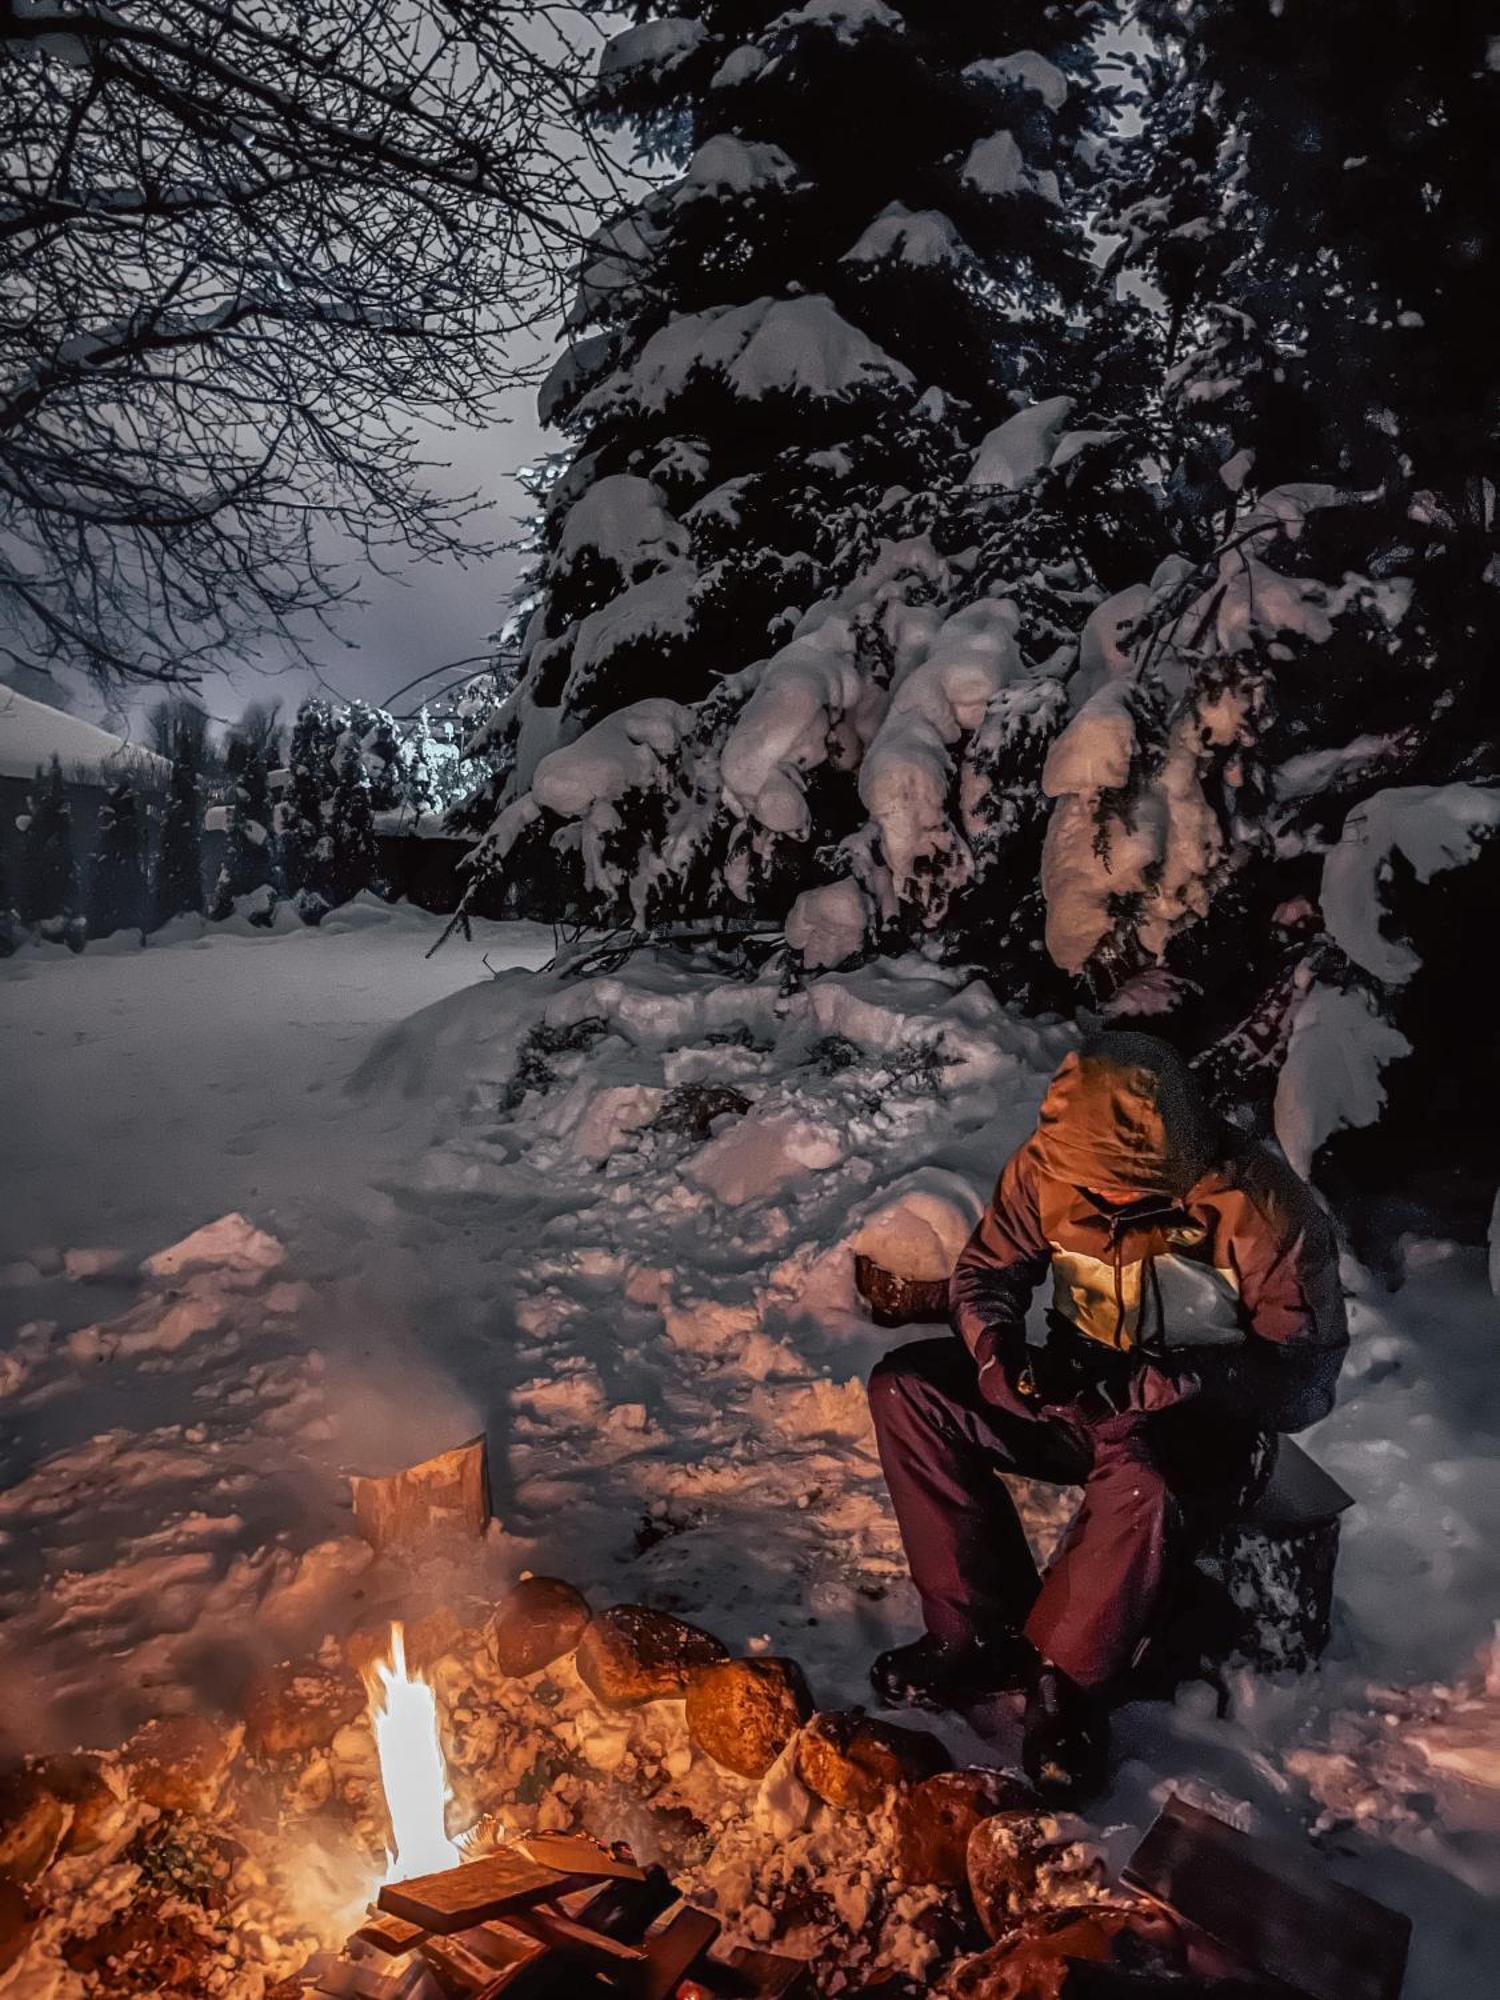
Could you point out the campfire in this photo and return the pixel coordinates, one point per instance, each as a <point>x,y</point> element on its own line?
<point>476,1918</point>
<point>413,1769</point>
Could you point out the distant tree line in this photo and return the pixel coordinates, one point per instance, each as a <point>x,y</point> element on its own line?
<point>299,819</point>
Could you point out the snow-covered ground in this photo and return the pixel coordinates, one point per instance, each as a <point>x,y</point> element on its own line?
<point>472,1201</point>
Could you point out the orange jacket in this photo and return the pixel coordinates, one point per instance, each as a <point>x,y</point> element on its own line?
<point>1196,1255</point>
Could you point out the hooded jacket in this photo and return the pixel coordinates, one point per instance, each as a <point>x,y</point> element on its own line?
<point>1198,1257</point>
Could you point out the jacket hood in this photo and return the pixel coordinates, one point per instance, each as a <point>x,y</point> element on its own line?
<point>1124,1114</point>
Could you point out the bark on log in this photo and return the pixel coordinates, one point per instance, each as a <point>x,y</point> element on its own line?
<point>444,1496</point>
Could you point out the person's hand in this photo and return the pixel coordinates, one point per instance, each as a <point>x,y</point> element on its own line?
<point>1001,1358</point>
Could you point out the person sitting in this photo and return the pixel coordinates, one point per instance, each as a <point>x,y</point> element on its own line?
<point>1195,1312</point>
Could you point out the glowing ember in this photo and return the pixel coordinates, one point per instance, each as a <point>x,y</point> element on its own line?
<point>403,1714</point>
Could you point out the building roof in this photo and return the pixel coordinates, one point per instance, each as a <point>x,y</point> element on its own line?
<point>32,734</point>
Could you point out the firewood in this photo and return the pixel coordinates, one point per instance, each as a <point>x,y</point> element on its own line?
<point>1269,1905</point>
<point>767,1975</point>
<point>585,1946</point>
<point>460,1972</point>
<point>460,1897</point>
<point>390,1934</point>
<point>576,1854</point>
<point>443,1496</point>
<point>674,1948</point>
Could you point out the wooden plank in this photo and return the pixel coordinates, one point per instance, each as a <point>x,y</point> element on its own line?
<point>460,1972</point>
<point>391,1934</point>
<point>446,1495</point>
<point>502,1944</point>
<point>674,1947</point>
<point>585,1946</point>
<point>1270,1906</point>
<point>576,1854</point>
<point>459,1897</point>
<point>767,1975</point>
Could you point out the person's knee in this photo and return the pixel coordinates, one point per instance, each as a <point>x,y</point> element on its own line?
<point>1132,1484</point>
<point>901,1381</point>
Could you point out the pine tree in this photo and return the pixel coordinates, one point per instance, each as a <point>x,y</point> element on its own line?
<point>48,896</point>
<point>117,867</point>
<point>354,861</point>
<point>783,365</point>
<point>177,889</point>
<point>248,864</point>
<point>1294,732</point>
<point>304,839</point>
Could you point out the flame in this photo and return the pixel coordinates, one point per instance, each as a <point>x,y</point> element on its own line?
<point>404,1716</point>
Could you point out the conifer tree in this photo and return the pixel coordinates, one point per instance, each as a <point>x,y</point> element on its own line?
<point>177,889</point>
<point>248,861</point>
<point>783,364</point>
<point>304,839</point>
<point>353,861</point>
<point>117,867</point>
<point>48,877</point>
<point>1291,734</point>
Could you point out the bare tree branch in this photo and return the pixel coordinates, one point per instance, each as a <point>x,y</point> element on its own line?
<point>249,251</point>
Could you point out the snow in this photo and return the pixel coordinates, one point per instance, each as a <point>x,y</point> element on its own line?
<point>805,694</point>
<point>653,45</point>
<point>1330,1079</point>
<point>624,752</point>
<point>924,238</point>
<point>1431,827</point>
<point>32,734</point>
<point>906,778</point>
<point>830,925</point>
<point>656,609</point>
<point>1026,69</point>
<point>846,20</point>
<point>625,520</point>
<point>771,346</point>
<point>996,166</point>
<point>728,165</point>
<point>1014,452</point>
<point>403,1249</point>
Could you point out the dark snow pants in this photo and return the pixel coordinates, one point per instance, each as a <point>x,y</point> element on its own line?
<point>1153,1488</point>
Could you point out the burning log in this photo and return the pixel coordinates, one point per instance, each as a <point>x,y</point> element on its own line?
<point>443,1496</point>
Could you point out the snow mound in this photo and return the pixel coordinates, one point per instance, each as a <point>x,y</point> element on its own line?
<point>758,1158</point>
<point>919,1227</point>
<point>231,1244</point>
<point>829,926</point>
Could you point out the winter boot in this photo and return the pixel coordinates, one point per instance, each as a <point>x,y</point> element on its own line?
<point>1065,1744</point>
<point>944,1673</point>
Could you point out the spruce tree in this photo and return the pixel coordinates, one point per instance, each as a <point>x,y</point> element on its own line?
<point>1294,733</point>
<point>304,839</point>
<point>117,867</point>
<point>48,898</point>
<point>353,860</point>
<point>177,888</point>
<point>248,864</point>
<point>782,365</point>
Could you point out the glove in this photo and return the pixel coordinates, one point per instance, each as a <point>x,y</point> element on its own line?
<point>1002,1382</point>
